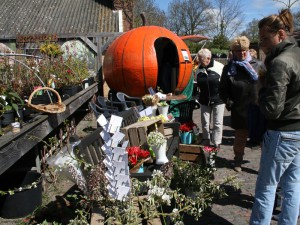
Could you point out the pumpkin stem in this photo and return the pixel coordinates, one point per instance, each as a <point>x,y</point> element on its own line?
<point>143,18</point>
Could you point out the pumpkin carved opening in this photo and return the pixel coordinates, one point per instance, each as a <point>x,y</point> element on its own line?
<point>168,64</point>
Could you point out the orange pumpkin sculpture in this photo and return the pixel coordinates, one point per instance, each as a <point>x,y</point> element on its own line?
<point>148,56</point>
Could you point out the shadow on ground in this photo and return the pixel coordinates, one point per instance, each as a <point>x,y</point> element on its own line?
<point>61,210</point>
<point>206,219</point>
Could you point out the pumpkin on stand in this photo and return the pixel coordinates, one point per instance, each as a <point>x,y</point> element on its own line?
<point>147,56</point>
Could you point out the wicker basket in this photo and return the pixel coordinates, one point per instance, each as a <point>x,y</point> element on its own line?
<point>49,108</point>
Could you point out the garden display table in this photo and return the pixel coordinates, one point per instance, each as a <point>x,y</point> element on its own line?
<point>15,145</point>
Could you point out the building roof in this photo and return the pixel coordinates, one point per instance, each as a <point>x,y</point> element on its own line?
<point>27,17</point>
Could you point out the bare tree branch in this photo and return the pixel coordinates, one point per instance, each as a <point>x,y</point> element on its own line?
<point>288,4</point>
<point>228,17</point>
<point>153,15</point>
<point>189,16</point>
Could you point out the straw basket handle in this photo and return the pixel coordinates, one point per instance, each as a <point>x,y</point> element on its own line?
<point>51,108</point>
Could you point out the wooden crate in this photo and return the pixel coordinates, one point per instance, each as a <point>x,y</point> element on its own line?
<point>137,132</point>
<point>192,153</point>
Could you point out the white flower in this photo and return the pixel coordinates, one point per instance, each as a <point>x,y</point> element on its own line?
<point>166,198</point>
<point>157,173</point>
<point>155,138</point>
<point>179,223</point>
<point>175,211</point>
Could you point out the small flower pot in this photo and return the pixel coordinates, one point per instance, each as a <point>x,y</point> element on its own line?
<point>88,82</point>
<point>137,169</point>
<point>8,117</point>
<point>186,138</point>
<point>163,110</point>
<point>69,91</point>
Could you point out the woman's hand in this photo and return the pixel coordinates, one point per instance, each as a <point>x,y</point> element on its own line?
<point>229,104</point>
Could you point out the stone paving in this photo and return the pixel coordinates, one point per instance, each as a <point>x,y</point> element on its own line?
<point>236,208</point>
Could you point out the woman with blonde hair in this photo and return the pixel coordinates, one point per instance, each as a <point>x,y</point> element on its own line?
<point>279,101</point>
<point>238,90</point>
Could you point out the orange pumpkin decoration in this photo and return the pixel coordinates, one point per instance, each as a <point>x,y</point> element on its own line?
<point>148,56</point>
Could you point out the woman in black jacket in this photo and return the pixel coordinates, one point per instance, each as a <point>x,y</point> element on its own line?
<point>212,107</point>
<point>279,101</point>
<point>238,89</point>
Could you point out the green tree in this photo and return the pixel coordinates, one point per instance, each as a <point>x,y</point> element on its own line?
<point>220,42</point>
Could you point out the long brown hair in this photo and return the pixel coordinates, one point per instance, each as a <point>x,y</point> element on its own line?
<point>276,22</point>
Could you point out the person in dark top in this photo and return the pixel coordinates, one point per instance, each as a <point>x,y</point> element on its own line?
<point>208,76</point>
<point>256,120</point>
<point>238,90</point>
<point>279,101</point>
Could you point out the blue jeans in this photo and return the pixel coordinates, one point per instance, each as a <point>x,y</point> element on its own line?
<point>280,161</point>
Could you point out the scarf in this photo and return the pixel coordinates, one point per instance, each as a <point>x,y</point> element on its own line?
<point>245,64</point>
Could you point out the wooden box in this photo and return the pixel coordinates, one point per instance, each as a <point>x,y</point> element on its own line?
<point>192,153</point>
<point>137,132</point>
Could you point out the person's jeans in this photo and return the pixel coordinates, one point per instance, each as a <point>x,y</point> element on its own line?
<point>280,161</point>
<point>216,113</point>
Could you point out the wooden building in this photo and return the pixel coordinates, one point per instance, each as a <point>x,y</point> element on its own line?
<point>24,24</point>
<point>95,23</point>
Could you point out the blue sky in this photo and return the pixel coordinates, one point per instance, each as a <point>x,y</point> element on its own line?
<point>252,8</point>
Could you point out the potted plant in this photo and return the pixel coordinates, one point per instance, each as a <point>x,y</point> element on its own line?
<point>10,106</point>
<point>210,153</point>
<point>186,132</point>
<point>158,143</point>
<point>195,180</point>
<point>136,158</point>
<point>151,100</point>
<point>163,108</point>
<point>166,196</point>
<point>67,73</point>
